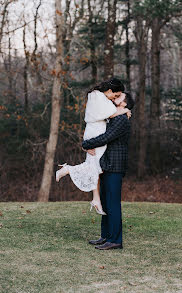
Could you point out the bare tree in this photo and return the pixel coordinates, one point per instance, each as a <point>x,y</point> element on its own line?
<point>4,12</point>
<point>8,66</point>
<point>127,47</point>
<point>141,34</point>
<point>25,71</point>
<point>34,58</point>
<point>109,41</point>
<point>168,9</point>
<point>56,106</point>
<point>92,44</point>
<point>69,27</point>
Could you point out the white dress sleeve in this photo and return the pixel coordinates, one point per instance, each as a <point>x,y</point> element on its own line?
<point>98,107</point>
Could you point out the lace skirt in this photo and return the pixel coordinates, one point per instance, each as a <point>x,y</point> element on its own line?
<point>86,175</point>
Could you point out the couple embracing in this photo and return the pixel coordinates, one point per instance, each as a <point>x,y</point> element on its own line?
<point>106,143</point>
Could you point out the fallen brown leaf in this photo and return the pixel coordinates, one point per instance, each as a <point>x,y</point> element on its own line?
<point>58,12</point>
<point>102,267</point>
<point>132,284</point>
<point>93,221</point>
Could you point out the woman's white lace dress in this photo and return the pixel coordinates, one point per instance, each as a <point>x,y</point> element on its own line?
<point>85,176</point>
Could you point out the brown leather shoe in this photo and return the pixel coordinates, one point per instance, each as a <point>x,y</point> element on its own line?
<point>109,245</point>
<point>99,241</point>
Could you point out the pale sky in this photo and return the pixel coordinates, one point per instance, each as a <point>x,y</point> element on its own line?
<point>24,10</point>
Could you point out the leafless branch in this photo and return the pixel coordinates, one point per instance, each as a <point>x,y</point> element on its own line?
<point>12,31</point>
<point>44,111</point>
<point>35,28</point>
<point>4,14</point>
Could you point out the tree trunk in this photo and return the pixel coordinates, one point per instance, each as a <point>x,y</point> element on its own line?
<point>55,115</point>
<point>4,12</point>
<point>141,142</point>
<point>34,59</point>
<point>141,112</point>
<point>25,72</point>
<point>92,46</point>
<point>109,43</point>
<point>67,36</point>
<point>155,100</point>
<point>127,47</point>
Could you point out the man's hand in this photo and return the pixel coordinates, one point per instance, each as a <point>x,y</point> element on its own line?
<point>91,152</point>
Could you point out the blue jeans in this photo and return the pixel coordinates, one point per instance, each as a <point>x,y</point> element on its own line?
<point>110,194</point>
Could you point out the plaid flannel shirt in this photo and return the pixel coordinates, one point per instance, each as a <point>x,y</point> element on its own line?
<point>115,158</point>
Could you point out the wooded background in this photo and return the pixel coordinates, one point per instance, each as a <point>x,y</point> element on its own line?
<point>51,54</point>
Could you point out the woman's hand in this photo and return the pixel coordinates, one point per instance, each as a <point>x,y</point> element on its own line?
<point>129,114</point>
<point>91,152</point>
<point>121,111</point>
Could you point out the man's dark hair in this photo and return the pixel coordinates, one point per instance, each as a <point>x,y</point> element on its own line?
<point>129,101</point>
<point>114,84</point>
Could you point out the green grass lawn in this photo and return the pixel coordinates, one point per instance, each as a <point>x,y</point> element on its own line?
<point>44,249</point>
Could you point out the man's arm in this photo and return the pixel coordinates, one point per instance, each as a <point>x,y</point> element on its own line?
<point>119,128</point>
